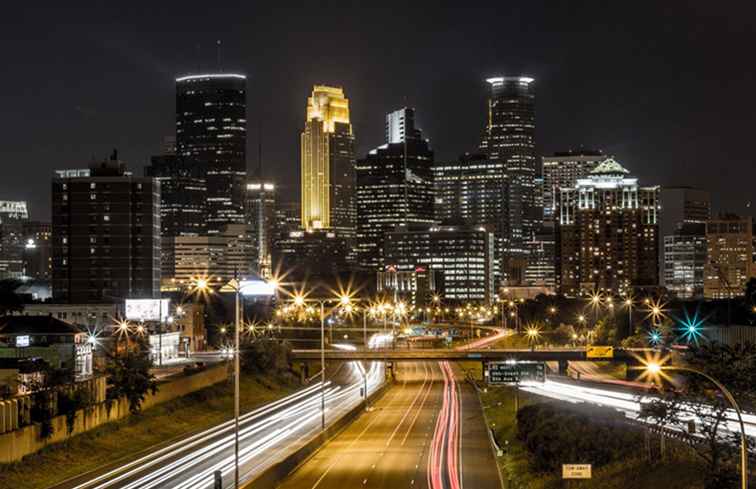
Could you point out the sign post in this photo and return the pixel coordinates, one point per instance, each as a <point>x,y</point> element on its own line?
<point>576,471</point>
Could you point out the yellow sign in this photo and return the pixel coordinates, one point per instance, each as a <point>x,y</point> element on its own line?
<point>576,471</point>
<point>599,352</point>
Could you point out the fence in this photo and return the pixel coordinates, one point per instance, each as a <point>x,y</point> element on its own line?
<point>731,335</point>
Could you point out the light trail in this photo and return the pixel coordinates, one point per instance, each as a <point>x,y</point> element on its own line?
<point>443,456</point>
<point>628,403</point>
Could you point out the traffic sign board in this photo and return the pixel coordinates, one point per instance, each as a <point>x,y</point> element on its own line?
<point>599,352</point>
<point>515,372</point>
<point>576,471</point>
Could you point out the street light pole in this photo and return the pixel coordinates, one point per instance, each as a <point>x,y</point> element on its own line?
<point>322,365</point>
<point>236,389</point>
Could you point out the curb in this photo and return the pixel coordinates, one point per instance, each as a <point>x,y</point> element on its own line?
<point>271,477</point>
<point>494,446</point>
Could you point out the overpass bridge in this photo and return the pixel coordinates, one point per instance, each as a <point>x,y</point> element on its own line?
<point>560,355</point>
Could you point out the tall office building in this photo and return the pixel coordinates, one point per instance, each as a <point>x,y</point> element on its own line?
<point>509,138</point>
<point>729,264</point>
<point>562,170</point>
<point>685,252</point>
<point>607,233</point>
<point>681,206</point>
<point>211,137</point>
<point>394,186</point>
<point>473,192</point>
<point>327,145</point>
<point>463,255</point>
<point>13,215</point>
<point>106,234</point>
<point>37,250</point>
<point>260,209</point>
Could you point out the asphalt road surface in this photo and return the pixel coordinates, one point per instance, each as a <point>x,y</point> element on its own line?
<point>427,431</point>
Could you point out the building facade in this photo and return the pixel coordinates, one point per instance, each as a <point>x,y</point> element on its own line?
<point>327,151</point>
<point>38,250</point>
<point>315,253</point>
<point>562,170</point>
<point>607,233</point>
<point>394,186</point>
<point>260,212</point>
<point>463,255</point>
<point>729,264</point>
<point>509,138</point>
<point>13,215</point>
<point>685,253</point>
<point>106,235</point>
<point>211,138</point>
<point>681,206</point>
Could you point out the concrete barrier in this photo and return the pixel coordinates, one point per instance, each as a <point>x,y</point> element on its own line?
<point>16,444</point>
<point>273,475</point>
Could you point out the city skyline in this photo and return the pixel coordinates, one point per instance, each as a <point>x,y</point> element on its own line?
<point>635,108</point>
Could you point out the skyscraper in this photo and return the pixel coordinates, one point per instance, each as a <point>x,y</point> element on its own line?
<point>509,138</point>
<point>260,209</point>
<point>13,215</point>
<point>562,170</point>
<point>106,235</point>
<point>681,206</point>
<point>211,137</point>
<point>607,233</point>
<point>394,186</point>
<point>685,254</point>
<point>729,263</point>
<point>327,145</point>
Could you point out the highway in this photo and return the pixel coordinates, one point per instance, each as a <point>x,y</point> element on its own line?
<point>411,438</point>
<point>267,434</point>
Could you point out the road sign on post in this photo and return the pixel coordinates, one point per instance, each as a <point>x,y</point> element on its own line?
<point>516,372</point>
<point>576,471</point>
<point>599,352</point>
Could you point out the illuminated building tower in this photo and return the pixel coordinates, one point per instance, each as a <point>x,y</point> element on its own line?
<point>681,207</point>
<point>211,135</point>
<point>729,264</point>
<point>510,139</point>
<point>106,234</point>
<point>327,145</point>
<point>38,250</point>
<point>562,170</point>
<point>13,215</point>
<point>607,227</point>
<point>394,186</point>
<point>260,209</point>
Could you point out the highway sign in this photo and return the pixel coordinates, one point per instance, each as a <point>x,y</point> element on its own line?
<point>576,471</point>
<point>599,352</point>
<point>515,372</point>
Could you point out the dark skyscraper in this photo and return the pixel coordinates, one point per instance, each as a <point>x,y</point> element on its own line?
<point>510,139</point>
<point>394,186</point>
<point>106,234</point>
<point>211,135</point>
<point>260,209</point>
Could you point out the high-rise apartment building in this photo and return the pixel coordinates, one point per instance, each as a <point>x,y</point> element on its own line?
<point>211,138</point>
<point>327,145</point>
<point>13,215</point>
<point>473,192</point>
<point>260,209</point>
<point>394,186</point>
<point>463,255</point>
<point>562,170</point>
<point>729,264</point>
<point>607,233</point>
<point>106,234</point>
<point>681,206</point>
<point>510,139</point>
<point>684,261</point>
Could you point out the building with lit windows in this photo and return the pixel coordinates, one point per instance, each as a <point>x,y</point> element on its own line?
<point>211,137</point>
<point>681,206</point>
<point>327,146</point>
<point>607,230</point>
<point>509,139</point>
<point>13,215</point>
<point>106,235</point>
<point>463,255</point>
<point>685,253</point>
<point>314,254</point>
<point>472,191</point>
<point>729,264</point>
<point>260,211</point>
<point>394,186</point>
<point>37,250</point>
<point>562,170</point>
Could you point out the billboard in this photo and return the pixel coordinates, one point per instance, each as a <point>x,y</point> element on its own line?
<point>147,309</point>
<point>257,288</point>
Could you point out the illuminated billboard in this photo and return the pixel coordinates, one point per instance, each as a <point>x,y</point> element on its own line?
<point>257,288</point>
<point>147,309</point>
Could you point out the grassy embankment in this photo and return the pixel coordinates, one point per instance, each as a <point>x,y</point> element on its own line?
<point>123,439</point>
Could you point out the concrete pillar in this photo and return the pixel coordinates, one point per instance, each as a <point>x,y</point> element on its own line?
<point>563,366</point>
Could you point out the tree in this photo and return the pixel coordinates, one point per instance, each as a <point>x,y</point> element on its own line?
<point>129,377</point>
<point>9,300</point>
<point>563,335</point>
<point>45,390</point>
<point>266,355</point>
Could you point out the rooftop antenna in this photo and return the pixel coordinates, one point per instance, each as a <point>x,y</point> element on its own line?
<point>218,48</point>
<point>259,150</point>
<point>197,57</point>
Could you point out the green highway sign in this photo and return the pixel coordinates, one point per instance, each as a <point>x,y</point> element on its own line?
<point>515,372</point>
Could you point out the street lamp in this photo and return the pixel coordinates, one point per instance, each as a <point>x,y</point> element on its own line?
<point>655,369</point>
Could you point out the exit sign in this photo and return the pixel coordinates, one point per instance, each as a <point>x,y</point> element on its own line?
<point>513,373</point>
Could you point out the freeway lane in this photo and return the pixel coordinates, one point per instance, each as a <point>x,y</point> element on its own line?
<point>266,435</point>
<point>408,439</point>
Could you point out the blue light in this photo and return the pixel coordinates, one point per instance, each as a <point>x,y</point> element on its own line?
<point>692,327</point>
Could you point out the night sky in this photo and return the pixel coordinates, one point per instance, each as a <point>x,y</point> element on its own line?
<point>670,91</point>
